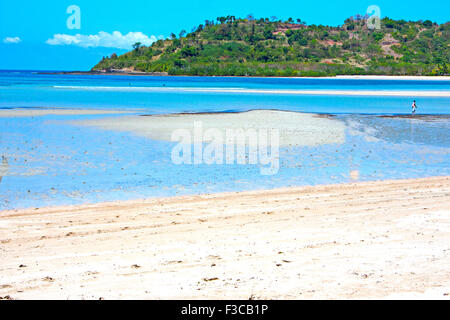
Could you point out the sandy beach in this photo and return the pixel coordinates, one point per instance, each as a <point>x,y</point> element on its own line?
<point>295,129</point>
<point>39,112</point>
<point>386,239</point>
<point>374,77</point>
<point>371,77</point>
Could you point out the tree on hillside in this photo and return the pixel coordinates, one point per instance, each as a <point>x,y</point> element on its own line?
<point>268,33</point>
<point>137,45</point>
<point>200,28</point>
<point>428,23</point>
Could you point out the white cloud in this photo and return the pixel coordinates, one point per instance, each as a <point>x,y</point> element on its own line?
<point>102,39</point>
<point>12,40</point>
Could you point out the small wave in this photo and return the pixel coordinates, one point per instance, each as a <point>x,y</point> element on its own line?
<point>131,88</point>
<point>398,93</point>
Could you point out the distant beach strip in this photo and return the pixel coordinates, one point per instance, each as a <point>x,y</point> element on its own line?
<point>37,112</point>
<point>392,93</point>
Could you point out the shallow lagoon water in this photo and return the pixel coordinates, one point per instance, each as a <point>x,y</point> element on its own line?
<point>81,165</point>
<point>53,162</point>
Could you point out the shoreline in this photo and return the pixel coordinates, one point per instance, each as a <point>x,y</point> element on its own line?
<point>162,74</point>
<point>181,198</point>
<point>350,241</point>
<point>13,112</point>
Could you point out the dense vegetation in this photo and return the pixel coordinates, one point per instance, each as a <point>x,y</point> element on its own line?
<point>270,47</point>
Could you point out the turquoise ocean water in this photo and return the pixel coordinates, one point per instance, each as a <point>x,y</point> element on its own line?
<point>48,161</point>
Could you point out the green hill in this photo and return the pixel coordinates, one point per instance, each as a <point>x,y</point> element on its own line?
<point>270,47</point>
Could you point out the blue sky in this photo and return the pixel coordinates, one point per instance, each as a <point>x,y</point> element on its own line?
<point>28,28</point>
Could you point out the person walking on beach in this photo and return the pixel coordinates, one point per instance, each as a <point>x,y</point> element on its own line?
<point>414,107</point>
<point>3,167</point>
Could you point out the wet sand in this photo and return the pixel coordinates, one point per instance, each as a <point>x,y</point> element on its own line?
<point>295,129</point>
<point>387,239</point>
<point>423,117</point>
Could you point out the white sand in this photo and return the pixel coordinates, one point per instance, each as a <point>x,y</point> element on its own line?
<point>369,77</point>
<point>438,78</point>
<point>350,241</point>
<point>294,128</point>
<point>29,112</point>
